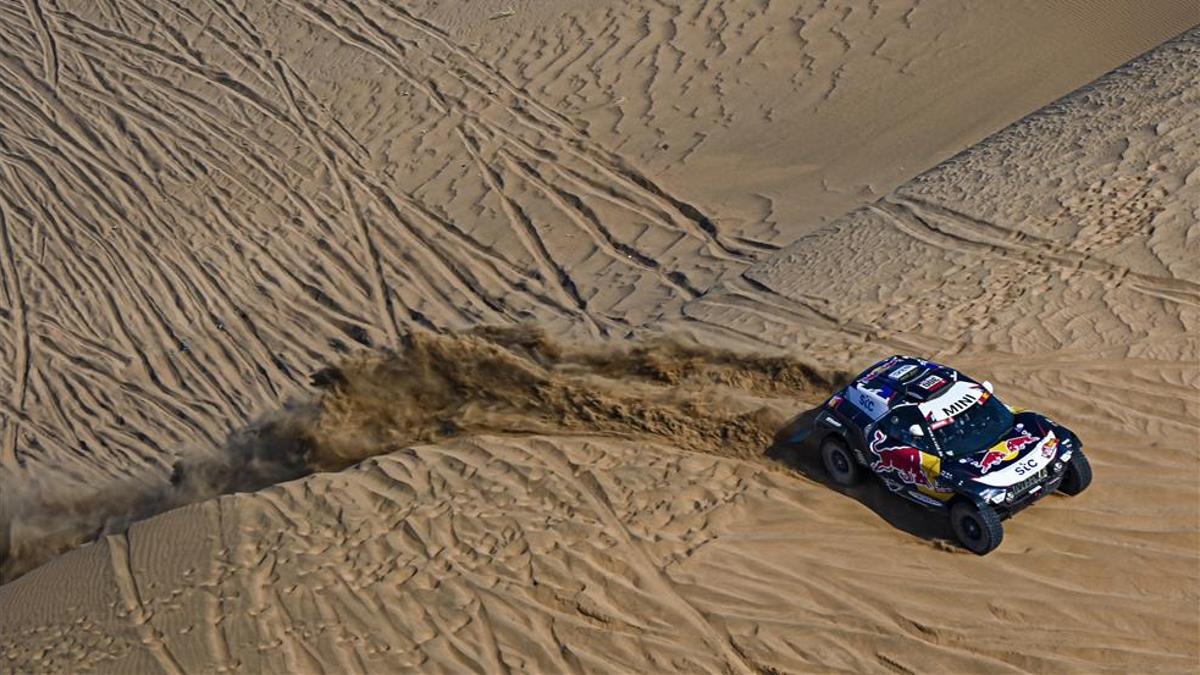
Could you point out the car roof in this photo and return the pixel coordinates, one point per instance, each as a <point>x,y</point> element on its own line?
<point>899,380</point>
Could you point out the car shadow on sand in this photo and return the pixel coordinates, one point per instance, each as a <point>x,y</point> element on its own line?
<point>804,456</point>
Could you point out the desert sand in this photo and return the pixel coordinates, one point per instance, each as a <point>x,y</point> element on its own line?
<point>379,336</point>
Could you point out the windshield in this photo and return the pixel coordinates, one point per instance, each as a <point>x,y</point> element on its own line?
<point>976,428</point>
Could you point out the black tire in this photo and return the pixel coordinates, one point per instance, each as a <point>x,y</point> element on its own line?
<point>977,528</point>
<point>1079,475</point>
<point>839,463</point>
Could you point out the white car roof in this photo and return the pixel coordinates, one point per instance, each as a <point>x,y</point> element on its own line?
<point>956,399</point>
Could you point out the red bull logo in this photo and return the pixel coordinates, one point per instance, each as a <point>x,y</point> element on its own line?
<point>1001,453</point>
<point>1018,444</point>
<point>992,458</point>
<point>904,461</point>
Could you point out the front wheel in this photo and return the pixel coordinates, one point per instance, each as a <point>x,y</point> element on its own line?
<point>840,466</point>
<point>977,528</point>
<point>1079,475</point>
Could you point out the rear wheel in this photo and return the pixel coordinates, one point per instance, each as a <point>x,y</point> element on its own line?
<point>977,528</point>
<point>839,464</point>
<point>1079,474</point>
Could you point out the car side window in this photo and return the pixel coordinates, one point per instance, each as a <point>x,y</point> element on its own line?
<point>898,423</point>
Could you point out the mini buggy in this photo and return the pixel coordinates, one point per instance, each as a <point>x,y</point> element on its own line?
<point>943,440</point>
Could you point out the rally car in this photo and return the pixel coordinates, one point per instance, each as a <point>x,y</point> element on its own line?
<point>943,440</point>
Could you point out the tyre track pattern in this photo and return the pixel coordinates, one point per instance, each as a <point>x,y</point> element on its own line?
<point>188,205</point>
<point>480,555</point>
<point>21,366</point>
<point>571,554</point>
<point>126,581</point>
<point>944,227</point>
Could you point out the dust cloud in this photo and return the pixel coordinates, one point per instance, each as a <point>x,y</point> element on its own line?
<point>508,381</point>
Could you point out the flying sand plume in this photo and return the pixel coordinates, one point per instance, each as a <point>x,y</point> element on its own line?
<point>513,381</point>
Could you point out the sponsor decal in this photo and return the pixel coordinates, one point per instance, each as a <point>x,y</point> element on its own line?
<point>923,498</point>
<point>1018,443</point>
<point>909,464</point>
<point>835,401</point>
<point>993,457</point>
<point>958,405</point>
<point>932,383</point>
<point>1003,452</point>
<point>1024,469</point>
<point>1027,466</point>
<point>879,369</point>
<point>864,401</point>
<point>870,402</point>
<point>899,373</point>
<point>1049,447</point>
<point>957,400</point>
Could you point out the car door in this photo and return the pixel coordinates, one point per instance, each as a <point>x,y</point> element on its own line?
<point>903,459</point>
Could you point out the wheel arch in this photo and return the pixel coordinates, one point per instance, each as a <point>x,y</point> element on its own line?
<point>840,436</point>
<point>967,498</point>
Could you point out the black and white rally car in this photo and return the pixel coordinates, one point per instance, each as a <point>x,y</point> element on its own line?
<point>939,438</point>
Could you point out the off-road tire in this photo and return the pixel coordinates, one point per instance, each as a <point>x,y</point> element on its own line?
<point>977,528</point>
<point>839,463</point>
<point>1079,474</point>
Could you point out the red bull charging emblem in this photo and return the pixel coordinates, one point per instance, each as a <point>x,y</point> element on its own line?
<point>903,460</point>
<point>1003,452</point>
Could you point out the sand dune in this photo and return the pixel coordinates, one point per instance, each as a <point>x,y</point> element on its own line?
<point>202,204</point>
<point>1058,258</point>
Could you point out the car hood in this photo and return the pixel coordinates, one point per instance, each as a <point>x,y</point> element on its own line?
<point>1027,448</point>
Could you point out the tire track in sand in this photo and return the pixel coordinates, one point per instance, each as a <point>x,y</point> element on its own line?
<point>20,323</point>
<point>594,493</point>
<point>526,232</point>
<point>956,231</point>
<point>455,272</point>
<point>382,296</point>
<point>404,57</point>
<point>558,126</point>
<point>140,617</point>
<point>49,47</point>
<point>464,275</point>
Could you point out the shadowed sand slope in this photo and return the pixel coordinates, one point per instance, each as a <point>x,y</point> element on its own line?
<point>203,203</point>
